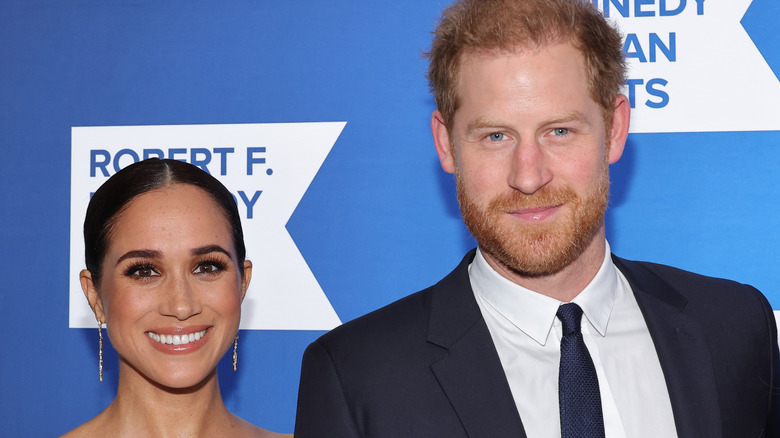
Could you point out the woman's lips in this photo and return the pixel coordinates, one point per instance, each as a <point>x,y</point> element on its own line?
<point>179,340</point>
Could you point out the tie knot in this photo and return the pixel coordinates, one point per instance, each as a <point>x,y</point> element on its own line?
<point>570,315</point>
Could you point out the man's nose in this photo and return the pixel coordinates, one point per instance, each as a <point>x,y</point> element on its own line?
<point>529,168</point>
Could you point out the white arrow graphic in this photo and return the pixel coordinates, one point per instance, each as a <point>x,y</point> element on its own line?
<point>718,81</point>
<point>267,167</point>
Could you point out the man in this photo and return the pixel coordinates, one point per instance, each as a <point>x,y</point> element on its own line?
<point>530,117</point>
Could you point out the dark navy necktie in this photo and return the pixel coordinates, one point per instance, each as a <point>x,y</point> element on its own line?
<point>578,385</point>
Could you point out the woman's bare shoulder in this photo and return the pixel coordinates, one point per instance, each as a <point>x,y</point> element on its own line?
<point>97,427</point>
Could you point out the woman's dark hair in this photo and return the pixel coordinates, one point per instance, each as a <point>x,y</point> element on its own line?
<point>110,200</point>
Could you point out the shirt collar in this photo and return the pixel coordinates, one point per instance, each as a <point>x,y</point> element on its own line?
<point>534,313</point>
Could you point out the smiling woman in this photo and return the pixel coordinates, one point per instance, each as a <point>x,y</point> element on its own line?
<point>166,272</point>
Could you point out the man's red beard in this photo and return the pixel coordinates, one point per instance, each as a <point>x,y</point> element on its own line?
<point>536,249</point>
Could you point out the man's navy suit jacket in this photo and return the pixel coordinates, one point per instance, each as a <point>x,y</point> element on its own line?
<point>425,366</point>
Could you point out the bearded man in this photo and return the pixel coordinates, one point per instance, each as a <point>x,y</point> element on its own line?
<point>541,331</point>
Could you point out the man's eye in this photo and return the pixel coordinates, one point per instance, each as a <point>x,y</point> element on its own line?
<point>496,136</point>
<point>560,131</point>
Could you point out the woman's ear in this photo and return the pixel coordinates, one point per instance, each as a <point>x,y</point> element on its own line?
<point>91,292</point>
<point>246,279</point>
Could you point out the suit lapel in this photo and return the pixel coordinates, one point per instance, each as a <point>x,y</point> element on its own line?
<point>470,374</point>
<point>682,350</point>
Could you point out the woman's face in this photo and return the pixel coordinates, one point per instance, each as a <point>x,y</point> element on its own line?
<point>172,288</point>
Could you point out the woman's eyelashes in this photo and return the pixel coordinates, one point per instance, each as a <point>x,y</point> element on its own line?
<point>145,270</point>
<point>210,266</point>
<point>142,270</point>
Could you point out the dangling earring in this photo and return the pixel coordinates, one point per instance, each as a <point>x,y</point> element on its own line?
<point>100,353</point>
<point>235,352</point>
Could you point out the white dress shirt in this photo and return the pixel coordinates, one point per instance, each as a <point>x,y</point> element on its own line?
<point>527,335</point>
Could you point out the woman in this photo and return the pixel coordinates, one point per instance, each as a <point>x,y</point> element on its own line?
<point>166,272</point>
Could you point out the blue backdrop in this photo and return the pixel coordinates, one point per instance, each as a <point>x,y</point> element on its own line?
<point>380,219</point>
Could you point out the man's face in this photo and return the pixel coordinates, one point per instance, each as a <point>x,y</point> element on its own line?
<point>528,148</point>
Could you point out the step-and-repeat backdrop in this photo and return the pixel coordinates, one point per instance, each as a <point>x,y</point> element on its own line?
<point>316,116</point>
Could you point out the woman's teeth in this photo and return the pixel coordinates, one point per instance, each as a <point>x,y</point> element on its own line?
<point>176,339</point>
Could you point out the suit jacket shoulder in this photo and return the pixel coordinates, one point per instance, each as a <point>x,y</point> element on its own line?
<point>714,302</point>
<point>422,366</point>
<point>716,340</point>
<point>413,315</point>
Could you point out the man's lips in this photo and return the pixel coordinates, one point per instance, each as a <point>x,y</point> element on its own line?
<point>535,214</point>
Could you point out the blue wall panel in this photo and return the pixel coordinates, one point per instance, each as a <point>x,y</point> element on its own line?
<point>380,219</point>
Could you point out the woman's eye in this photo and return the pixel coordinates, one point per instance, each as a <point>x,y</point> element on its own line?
<point>496,136</point>
<point>560,131</point>
<point>208,268</point>
<point>143,271</point>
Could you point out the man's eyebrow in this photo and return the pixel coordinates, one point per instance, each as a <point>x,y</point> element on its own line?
<point>482,123</point>
<point>575,116</point>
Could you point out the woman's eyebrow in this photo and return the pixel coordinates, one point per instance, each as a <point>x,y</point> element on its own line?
<point>139,253</point>
<point>209,249</point>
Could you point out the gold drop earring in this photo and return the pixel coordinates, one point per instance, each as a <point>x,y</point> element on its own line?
<point>235,352</point>
<point>100,350</point>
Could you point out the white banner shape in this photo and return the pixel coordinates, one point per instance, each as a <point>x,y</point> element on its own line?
<point>267,167</point>
<point>714,80</point>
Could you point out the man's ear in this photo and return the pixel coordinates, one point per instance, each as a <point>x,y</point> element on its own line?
<point>621,116</point>
<point>247,278</point>
<point>443,143</point>
<point>93,297</point>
